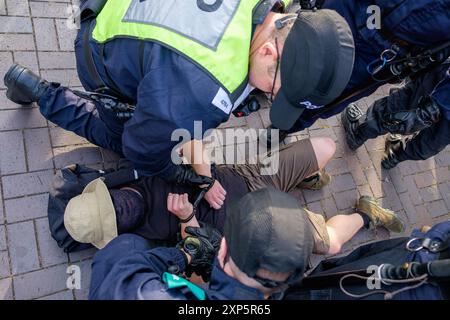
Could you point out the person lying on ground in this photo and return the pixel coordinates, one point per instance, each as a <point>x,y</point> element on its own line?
<point>268,239</point>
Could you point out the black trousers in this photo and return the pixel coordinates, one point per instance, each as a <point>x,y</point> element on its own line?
<point>378,119</point>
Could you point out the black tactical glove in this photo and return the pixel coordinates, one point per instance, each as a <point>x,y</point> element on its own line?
<point>410,121</point>
<point>202,245</point>
<point>185,175</point>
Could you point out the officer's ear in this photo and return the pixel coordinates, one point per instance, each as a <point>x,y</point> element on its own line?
<point>269,51</point>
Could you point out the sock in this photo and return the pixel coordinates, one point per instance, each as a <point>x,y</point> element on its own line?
<point>365,218</point>
<point>312,178</point>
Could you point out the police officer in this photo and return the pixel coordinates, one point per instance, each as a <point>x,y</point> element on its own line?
<point>408,27</point>
<point>179,62</point>
<point>421,107</point>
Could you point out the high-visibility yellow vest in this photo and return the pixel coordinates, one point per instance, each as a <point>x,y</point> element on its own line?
<point>214,34</point>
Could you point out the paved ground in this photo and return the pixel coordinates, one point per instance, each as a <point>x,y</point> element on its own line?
<point>34,33</point>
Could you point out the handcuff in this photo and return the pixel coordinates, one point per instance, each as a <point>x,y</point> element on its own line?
<point>199,198</point>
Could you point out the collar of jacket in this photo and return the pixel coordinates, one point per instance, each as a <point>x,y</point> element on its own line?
<point>222,286</point>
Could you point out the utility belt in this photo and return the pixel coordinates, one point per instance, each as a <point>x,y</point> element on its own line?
<point>107,95</point>
<point>394,65</point>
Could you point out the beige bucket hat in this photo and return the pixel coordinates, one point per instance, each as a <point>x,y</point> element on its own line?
<point>91,217</point>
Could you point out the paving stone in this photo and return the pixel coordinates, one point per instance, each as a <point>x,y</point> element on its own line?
<point>15,24</point>
<point>65,156</point>
<point>22,247</point>
<point>315,207</point>
<point>337,166</point>
<point>409,208</point>
<point>410,184</point>
<point>57,60</point>
<point>2,11</point>
<point>67,77</point>
<point>340,150</point>
<point>3,245</point>
<point>356,170</point>
<point>423,217</point>
<point>21,119</point>
<point>396,178</point>
<point>361,237</point>
<point>443,159</point>
<point>443,174</point>
<point>347,199</point>
<point>4,265</point>
<point>316,195</point>
<point>82,255</point>
<point>45,33</point>
<point>26,184</point>
<point>48,9</point>
<point>2,219</point>
<point>444,188</point>
<point>6,61</point>
<point>39,149</point>
<point>27,59</point>
<point>437,208</point>
<point>424,179</point>
<point>342,183</point>
<point>50,253</point>
<point>18,7</point>
<point>5,103</point>
<point>431,193</point>
<point>21,42</point>
<point>381,234</point>
<point>40,283</point>
<point>62,138</point>
<point>329,207</point>
<point>66,36</point>
<point>26,208</point>
<point>13,153</point>
<point>6,289</point>
<point>63,295</point>
<point>365,190</point>
<point>392,201</point>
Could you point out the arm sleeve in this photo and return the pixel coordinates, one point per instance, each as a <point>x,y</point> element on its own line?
<point>136,276</point>
<point>167,101</point>
<point>441,95</point>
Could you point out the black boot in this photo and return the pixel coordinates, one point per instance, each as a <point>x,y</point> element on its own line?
<point>394,152</point>
<point>24,87</point>
<point>350,120</point>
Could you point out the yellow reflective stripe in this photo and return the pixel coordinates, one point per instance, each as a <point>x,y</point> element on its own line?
<point>228,64</point>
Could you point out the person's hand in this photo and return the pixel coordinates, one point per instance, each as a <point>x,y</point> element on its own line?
<point>204,243</point>
<point>179,205</point>
<point>216,195</point>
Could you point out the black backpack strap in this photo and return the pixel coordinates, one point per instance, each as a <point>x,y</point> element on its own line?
<point>91,8</point>
<point>89,60</point>
<point>89,12</point>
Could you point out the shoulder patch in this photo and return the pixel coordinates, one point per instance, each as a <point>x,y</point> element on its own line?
<point>222,101</point>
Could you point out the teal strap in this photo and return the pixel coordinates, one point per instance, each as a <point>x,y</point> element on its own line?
<point>174,281</point>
